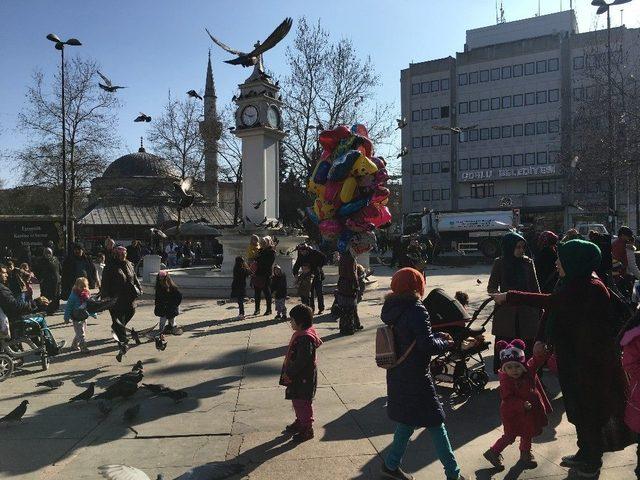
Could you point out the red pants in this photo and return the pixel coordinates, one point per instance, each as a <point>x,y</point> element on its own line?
<point>505,440</point>
<point>304,412</point>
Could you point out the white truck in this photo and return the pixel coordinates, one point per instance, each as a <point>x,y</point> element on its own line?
<point>466,231</point>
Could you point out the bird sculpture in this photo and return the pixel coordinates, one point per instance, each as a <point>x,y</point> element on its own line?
<point>86,395</point>
<point>142,118</point>
<point>50,384</point>
<point>208,471</point>
<point>107,85</point>
<point>194,94</point>
<point>16,414</point>
<point>256,205</point>
<point>255,56</point>
<point>402,122</point>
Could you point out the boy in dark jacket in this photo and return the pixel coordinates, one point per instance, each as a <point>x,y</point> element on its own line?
<point>279,289</point>
<point>299,372</point>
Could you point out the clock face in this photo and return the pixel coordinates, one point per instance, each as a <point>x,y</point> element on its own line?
<point>273,117</point>
<point>249,116</point>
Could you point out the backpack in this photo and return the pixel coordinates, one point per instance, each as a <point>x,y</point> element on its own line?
<point>386,356</point>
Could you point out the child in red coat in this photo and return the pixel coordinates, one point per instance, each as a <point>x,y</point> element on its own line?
<point>630,343</point>
<point>524,405</point>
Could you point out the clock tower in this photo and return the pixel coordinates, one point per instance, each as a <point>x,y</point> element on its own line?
<point>259,125</point>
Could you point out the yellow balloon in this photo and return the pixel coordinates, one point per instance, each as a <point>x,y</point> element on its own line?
<point>363,166</point>
<point>323,209</point>
<point>348,189</point>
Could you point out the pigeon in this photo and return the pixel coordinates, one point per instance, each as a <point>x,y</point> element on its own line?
<point>51,384</point>
<point>119,389</point>
<point>185,199</point>
<point>130,414</point>
<point>138,366</point>
<point>86,395</point>
<point>194,94</point>
<point>248,220</point>
<point>208,471</point>
<point>256,205</point>
<point>16,414</point>
<point>108,86</point>
<point>478,281</point>
<point>403,152</point>
<point>154,387</point>
<point>402,122</point>
<point>161,343</point>
<point>142,118</point>
<point>124,472</point>
<point>133,377</point>
<point>135,336</point>
<point>105,407</point>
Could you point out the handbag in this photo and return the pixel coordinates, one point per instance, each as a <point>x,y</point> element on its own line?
<point>79,314</point>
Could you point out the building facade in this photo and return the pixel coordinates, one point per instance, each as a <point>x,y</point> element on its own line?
<point>513,91</point>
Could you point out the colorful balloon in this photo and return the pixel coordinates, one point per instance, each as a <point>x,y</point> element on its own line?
<point>348,189</point>
<point>380,195</point>
<point>329,139</point>
<point>359,225</point>
<point>312,215</point>
<point>342,165</point>
<point>330,228</point>
<point>321,171</point>
<point>360,129</point>
<point>332,191</point>
<point>363,166</point>
<point>352,207</point>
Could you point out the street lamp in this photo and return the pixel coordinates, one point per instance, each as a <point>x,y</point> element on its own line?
<point>59,45</point>
<point>603,7</point>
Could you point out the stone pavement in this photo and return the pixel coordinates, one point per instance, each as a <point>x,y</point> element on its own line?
<point>236,410</point>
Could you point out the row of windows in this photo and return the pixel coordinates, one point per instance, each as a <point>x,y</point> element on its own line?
<point>433,194</point>
<point>428,87</point>
<point>508,131</point>
<point>509,71</point>
<point>518,100</point>
<point>516,160</point>
<point>430,141</point>
<point>429,168</point>
<point>595,60</point>
<point>430,114</point>
<point>581,93</point>
<point>534,187</point>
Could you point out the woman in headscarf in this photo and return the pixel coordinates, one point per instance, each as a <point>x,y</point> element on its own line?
<point>514,271</point>
<point>545,261</point>
<point>264,271</point>
<point>576,327</point>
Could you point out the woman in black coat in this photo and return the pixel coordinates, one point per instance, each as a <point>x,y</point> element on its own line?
<point>75,266</point>
<point>168,299</point>
<point>545,261</point>
<point>264,270</point>
<point>412,400</point>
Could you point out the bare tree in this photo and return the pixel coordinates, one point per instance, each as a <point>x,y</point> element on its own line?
<point>230,150</point>
<point>90,123</point>
<point>175,135</point>
<point>328,85</point>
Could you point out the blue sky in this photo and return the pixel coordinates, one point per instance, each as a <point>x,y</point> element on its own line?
<point>156,45</point>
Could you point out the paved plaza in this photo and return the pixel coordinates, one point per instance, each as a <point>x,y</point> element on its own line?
<point>236,410</point>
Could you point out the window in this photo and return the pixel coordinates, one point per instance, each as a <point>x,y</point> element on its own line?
<point>517,160</point>
<point>542,158</point>
<point>495,161</point>
<point>435,140</point>
<point>506,101</point>
<point>444,84</point>
<point>473,77</point>
<point>554,156</point>
<point>435,113</point>
<point>462,79</point>
<point>578,63</point>
<point>446,194</point>
<point>506,131</point>
<point>553,64</point>
<point>530,98</point>
<point>426,195</point>
<point>517,130</point>
<point>484,104</point>
<point>415,89</point>
<point>554,95</point>
<point>531,187</point>
<point>484,75</point>
<point>541,128</point>
<point>435,168</point>
<point>416,169</point>
<point>444,139</point>
<point>426,168</point>
<point>435,85</point>
<point>415,116</point>
<point>435,194</point>
<point>426,114</point>
<point>444,167</point>
<point>473,106</point>
<point>482,190</point>
<point>506,72</point>
<point>529,128</point>
<point>541,97</point>
<point>541,66</point>
<point>426,141</point>
<point>464,164</point>
<point>506,161</point>
<point>517,70</point>
<point>415,142</point>
<point>495,133</point>
<point>530,158</point>
<point>495,74</point>
<point>474,163</point>
<point>485,162</point>
<point>417,195</point>
<point>529,68</point>
<point>554,126</point>
<point>472,135</point>
<point>444,112</point>
<point>578,93</point>
<point>425,87</point>
<point>517,100</point>
<point>484,134</point>
<point>495,103</point>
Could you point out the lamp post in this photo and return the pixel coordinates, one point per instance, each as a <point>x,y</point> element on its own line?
<point>603,7</point>
<point>59,45</point>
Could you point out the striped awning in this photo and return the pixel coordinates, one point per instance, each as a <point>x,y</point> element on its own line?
<point>154,215</point>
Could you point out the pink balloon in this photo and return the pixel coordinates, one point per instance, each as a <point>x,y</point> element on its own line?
<point>381,176</point>
<point>330,228</point>
<point>381,194</point>
<point>378,215</point>
<point>358,225</point>
<point>332,191</point>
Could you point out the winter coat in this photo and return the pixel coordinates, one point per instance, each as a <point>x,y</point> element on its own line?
<point>516,420</point>
<point>514,321</point>
<point>304,282</point>
<point>167,302</point>
<point>412,398</point>
<point>239,282</point>
<point>589,369</point>
<point>315,259</point>
<point>48,272</point>
<point>348,276</point>
<point>119,281</point>
<point>14,307</point>
<point>300,369</point>
<point>279,286</point>
<point>546,270</point>
<point>631,363</point>
<point>74,302</point>
<point>264,266</point>
<point>74,267</point>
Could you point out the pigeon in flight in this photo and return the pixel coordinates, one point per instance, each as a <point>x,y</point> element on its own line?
<point>252,58</point>
<point>130,414</point>
<point>402,122</point>
<point>256,205</point>
<point>454,129</point>
<point>138,366</point>
<point>478,281</point>
<point>51,384</point>
<point>16,414</point>
<point>208,471</point>
<point>403,152</point>
<point>185,199</point>
<point>108,86</point>
<point>194,94</point>
<point>142,118</point>
<point>86,395</point>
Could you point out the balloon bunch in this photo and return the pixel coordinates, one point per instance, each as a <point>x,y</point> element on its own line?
<point>349,184</point>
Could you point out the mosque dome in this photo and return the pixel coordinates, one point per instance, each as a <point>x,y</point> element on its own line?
<point>139,164</point>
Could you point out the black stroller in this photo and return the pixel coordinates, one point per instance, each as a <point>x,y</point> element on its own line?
<point>463,366</point>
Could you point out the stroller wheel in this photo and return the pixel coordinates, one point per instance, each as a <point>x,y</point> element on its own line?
<point>6,367</point>
<point>478,379</point>
<point>44,361</point>
<point>462,387</point>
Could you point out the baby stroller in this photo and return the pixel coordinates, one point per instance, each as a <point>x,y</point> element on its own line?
<point>463,366</point>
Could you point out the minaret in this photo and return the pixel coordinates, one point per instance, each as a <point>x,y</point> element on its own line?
<point>210,131</point>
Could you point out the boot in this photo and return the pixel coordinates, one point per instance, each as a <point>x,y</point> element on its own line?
<point>527,460</point>
<point>494,458</point>
<point>397,474</point>
<point>303,435</point>
<point>293,427</point>
<point>176,330</point>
